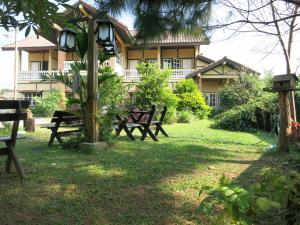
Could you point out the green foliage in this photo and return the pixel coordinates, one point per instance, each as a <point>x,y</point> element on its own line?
<point>5,130</point>
<point>239,92</point>
<point>256,113</point>
<point>153,89</point>
<point>47,105</point>
<point>184,117</point>
<point>275,195</point>
<point>191,99</point>
<point>31,14</point>
<point>110,98</point>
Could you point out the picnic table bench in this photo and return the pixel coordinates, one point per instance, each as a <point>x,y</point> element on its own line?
<point>142,120</point>
<point>10,141</point>
<point>64,119</point>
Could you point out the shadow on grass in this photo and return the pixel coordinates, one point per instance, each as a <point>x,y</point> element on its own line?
<point>118,186</point>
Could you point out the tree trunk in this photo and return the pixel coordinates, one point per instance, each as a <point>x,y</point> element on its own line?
<point>285,122</point>
<point>29,125</point>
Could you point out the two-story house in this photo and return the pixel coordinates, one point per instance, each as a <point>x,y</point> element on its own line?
<point>182,53</point>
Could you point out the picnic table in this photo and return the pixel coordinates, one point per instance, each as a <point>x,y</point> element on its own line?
<point>10,141</point>
<point>64,119</point>
<point>142,120</point>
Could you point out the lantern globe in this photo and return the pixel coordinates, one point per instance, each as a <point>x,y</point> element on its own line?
<point>67,40</point>
<point>105,33</point>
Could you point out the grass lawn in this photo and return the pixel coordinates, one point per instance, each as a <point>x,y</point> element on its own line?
<point>132,183</point>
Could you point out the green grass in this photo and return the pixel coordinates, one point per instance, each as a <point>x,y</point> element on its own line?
<point>131,183</point>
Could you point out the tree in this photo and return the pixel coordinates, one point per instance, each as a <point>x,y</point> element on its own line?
<point>154,19</point>
<point>31,14</point>
<point>271,18</point>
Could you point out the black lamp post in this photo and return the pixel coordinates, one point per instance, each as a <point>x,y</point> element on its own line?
<point>105,37</point>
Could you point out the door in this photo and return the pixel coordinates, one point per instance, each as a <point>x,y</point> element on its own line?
<point>133,63</point>
<point>35,66</point>
<point>187,64</point>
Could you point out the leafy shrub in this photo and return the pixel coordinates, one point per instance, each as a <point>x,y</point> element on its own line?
<point>47,105</point>
<point>274,195</point>
<point>256,113</point>
<point>110,98</point>
<point>5,129</point>
<point>191,99</point>
<point>184,117</point>
<point>154,89</point>
<point>239,92</point>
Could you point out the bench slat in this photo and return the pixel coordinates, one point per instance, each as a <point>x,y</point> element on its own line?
<point>4,139</point>
<point>14,104</point>
<point>13,116</point>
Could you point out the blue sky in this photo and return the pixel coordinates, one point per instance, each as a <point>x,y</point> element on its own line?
<point>245,48</point>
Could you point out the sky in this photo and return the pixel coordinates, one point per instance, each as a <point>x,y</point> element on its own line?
<point>246,48</point>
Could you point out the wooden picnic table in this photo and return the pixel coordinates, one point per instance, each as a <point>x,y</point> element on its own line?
<point>137,119</point>
<point>64,119</point>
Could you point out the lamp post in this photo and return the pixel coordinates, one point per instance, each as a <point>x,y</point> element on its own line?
<point>101,32</point>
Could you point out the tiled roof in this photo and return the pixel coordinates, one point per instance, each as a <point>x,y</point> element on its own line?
<point>225,60</point>
<point>31,43</point>
<point>178,39</point>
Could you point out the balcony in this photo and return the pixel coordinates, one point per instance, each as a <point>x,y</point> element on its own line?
<point>35,75</point>
<point>176,74</point>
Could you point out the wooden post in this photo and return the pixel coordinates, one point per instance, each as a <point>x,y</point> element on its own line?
<point>92,85</point>
<point>285,122</point>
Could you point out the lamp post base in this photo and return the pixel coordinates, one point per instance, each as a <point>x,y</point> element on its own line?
<point>90,147</point>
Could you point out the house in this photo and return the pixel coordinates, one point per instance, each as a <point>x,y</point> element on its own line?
<point>182,53</point>
<point>213,75</point>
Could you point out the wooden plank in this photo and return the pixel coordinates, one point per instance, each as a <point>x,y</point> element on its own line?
<point>14,104</point>
<point>13,116</point>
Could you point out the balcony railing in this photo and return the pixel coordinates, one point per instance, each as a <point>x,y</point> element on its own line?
<point>35,75</point>
<point>176,73</point>
<point>67,65</point>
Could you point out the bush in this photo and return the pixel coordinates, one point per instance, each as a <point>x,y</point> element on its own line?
<point>244,88</point>
<point>110,98</point>
<point>259,112</point>
<point>154,89</point>
<point>184,117</point>
<point>191,99</point>
<point>47,105</point>
<point>274,195</point>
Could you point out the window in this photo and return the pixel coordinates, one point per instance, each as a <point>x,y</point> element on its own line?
<point>39,65</point>
<point>211,99</point>
<point>176,63</point>
<point>167,63</point>
<point>152,61</point>
<point>29,97</point>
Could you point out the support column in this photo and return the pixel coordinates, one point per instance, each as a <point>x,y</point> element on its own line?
<point>92,85</point>
<point>159,56</point>
<point>49,60</point>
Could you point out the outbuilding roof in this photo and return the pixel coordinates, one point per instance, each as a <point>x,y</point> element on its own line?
<point>223,61</point>
<point>31,44</point>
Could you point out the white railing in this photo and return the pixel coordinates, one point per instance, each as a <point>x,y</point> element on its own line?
<point>67,65</point>
<point>35,75</point>
<point>181,73</point>
<point>176,73</point>
<point>131,74</point>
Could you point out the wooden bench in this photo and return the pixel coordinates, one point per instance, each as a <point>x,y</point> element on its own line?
<point>10,141</point>
<point>64,119</point>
